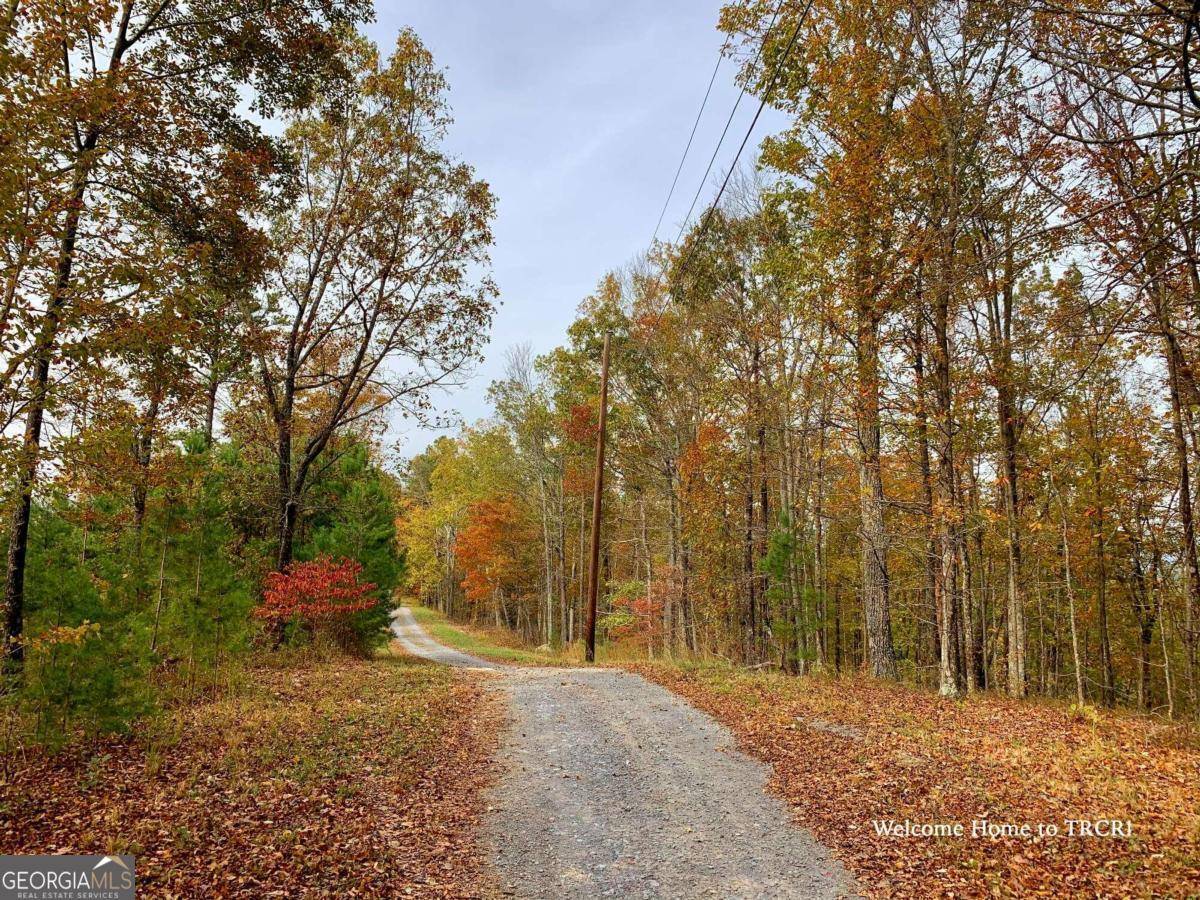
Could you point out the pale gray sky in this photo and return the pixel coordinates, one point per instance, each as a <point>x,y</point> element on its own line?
<point>576,112</point>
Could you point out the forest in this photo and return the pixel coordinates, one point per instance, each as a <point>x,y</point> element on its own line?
<point>211,314</point>
<point>917,397</point>
<point>879,465</point>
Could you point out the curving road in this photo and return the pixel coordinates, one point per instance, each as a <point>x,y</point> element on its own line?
<point>614,787</point>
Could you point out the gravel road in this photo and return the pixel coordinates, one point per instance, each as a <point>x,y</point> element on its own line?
<point>614,787</point>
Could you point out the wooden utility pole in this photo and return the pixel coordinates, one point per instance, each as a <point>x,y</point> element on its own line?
<point>597,507</point>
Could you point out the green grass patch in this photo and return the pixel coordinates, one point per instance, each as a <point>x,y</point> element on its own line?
<point>505,645</point>
<point>488,643</point>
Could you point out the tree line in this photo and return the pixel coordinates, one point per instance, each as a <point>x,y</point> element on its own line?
<point>232,251</point>
<point>918,398</point>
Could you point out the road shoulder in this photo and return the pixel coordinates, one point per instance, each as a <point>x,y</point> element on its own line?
<point>360,778</point>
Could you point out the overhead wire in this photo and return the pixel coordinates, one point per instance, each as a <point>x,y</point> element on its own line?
<point>728,122</point>
<point>686,149</point>
<point>766,97</point>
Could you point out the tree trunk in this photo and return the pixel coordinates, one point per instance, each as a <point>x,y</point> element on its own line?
<point>144,452</point>
<point>928,639</point>
<point>1070,589</point>
<point>11,641</point>
<point>31,440</point>
<point>764,537</point>
<point>881,657</point>
<point>1188,536</point>
<point>1015,612</point>
<point>162,571</point>
<point>750,615</point>
<point>947,511</point>
<point>288,507</point>
<point>821,576</point>
<point>289,489</point>
<point>210,409</point>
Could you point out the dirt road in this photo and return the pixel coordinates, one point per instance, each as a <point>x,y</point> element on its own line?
<point>613,787</point>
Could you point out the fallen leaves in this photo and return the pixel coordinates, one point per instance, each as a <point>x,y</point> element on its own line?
<point>848,752</point>
<point>360,779</point>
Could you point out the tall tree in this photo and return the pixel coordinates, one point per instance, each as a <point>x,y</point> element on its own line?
<point>376,296</point>
<point>140,107</point>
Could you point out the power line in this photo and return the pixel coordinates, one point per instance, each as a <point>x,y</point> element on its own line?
<point>691,137</point>
<point>728,122</point>
<point>770,88</point>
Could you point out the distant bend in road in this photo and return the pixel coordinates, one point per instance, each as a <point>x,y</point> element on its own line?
<point>612,786</point>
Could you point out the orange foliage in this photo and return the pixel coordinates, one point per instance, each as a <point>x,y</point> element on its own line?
<point>580,425</point>
<point>492,547</point>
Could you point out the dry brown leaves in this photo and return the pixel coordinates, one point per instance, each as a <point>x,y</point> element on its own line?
<point>929,760</point>
<point>360,779</point>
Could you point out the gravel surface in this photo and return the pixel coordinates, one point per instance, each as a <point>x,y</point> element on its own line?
<point>413,639</point>
<point>614,787</point>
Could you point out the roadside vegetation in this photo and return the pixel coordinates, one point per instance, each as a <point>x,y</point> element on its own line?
<point>232,249</point>
<point>916,399</point>
<point>916,396</point>
<point>319,777</point>
<point>193,469</point>
<point>487,643</point>
<point>504,645</point>
<point>848,753</point>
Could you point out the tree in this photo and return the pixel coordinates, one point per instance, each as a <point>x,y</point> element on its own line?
<point>321,593</point>
<point>919,398</point>
<point>374,298</point>
<point>843,84</point>
<point>135,108</point>
<point>493,550</point>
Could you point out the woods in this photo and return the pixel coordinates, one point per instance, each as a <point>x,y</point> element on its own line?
<point>840,540</point>
<point>232,250</point>
<point>916,398</point>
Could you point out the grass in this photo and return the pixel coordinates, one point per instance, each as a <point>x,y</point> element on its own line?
<point>505,645</point>
<point>338,778</point>
<point>488,643</point>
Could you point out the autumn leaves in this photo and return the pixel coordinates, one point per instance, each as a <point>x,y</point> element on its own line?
<point>920,400</point>
<point>231,246</point>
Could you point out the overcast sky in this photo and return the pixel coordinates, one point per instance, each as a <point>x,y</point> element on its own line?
<point>576,112</point>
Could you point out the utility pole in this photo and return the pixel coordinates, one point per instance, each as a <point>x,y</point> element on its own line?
<point>597,505</point>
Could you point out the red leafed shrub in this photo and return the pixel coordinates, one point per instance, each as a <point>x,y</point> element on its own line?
<point>322,590</point>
